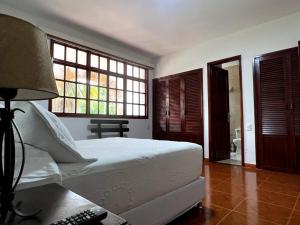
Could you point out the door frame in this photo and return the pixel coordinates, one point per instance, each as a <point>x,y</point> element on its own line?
<point>210,110</point>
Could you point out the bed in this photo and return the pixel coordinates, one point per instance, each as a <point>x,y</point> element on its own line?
<point>147,182</point>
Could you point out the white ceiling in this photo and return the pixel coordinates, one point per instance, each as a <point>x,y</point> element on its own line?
<point>159,26</point>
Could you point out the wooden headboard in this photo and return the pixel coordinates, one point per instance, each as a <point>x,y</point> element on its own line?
<point>109,126</point>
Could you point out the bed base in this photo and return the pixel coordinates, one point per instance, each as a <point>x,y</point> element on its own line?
<point>166,208</point>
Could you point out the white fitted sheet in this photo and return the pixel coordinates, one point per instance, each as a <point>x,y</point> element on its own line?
<point>130,172</point>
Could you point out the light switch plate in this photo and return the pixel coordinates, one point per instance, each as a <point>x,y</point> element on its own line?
<point>249,127</point>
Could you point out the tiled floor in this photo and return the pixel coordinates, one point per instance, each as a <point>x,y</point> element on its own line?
<point>246,196</point>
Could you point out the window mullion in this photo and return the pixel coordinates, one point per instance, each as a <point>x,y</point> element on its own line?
<point>88,74</point>
<point>76,97</point>
<point>125,91</point>
<point>146,92</point>
<point>107,86</point>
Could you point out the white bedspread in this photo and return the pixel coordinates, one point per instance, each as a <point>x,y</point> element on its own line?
<point>130,172</point>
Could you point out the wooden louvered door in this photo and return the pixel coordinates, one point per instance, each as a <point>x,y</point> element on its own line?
<point>160,104</point>
<point>178,105</point>
<point>192,111</point>
<point>275,76</point>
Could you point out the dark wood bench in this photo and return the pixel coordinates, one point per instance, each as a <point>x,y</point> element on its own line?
<point>109,126</point>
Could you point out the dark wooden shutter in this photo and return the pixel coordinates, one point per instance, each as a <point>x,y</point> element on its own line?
<point>273,97</point>
<point>296,92</point>
<point>193,117</point>
<point>175,105</point>
<point>295,72</point>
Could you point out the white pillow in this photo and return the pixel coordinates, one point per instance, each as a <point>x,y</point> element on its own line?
<point>44,130</point>
<point>39,169</point>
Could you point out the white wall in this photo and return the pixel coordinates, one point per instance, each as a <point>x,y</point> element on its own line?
<point>278,34</point>
<point>139,128</point>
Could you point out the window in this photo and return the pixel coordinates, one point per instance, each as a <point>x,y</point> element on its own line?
<point>93,84</point>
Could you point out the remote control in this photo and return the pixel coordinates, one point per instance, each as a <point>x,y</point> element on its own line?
<point>90,216</point>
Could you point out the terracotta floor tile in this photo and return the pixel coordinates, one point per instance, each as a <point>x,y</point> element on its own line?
<point>267,172</point>
<point>212,183</point>
<point>204,216</point>
<point>284,178</point>
<point>256,197</point>
<point>221,168</point>
<point>248,178</point>
<point>235,189</point>
<point>263,211</point>
<point>218,166</point>
<point>211,215</point>
<point>222,199</point>
<point>235,218</point>
<point>230,170</point>
<point>295,220</point>
<point>297,207</point>
<point>217,175</point>
<point>280,188</point>
<point>273,198</point>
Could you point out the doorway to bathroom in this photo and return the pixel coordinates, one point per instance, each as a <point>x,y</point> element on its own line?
<point>225,101</point>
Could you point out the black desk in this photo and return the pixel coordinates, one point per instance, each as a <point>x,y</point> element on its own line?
<point>56,203</point>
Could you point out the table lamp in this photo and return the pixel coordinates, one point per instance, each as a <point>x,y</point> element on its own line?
<point>26,73</point>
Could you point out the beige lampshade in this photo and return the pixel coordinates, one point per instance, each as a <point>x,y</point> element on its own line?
<point>25,62</point>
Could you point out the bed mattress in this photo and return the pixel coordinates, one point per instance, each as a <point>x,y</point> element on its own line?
<point>130,172</point>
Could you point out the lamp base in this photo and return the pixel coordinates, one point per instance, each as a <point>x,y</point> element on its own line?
<point>7,157</point>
